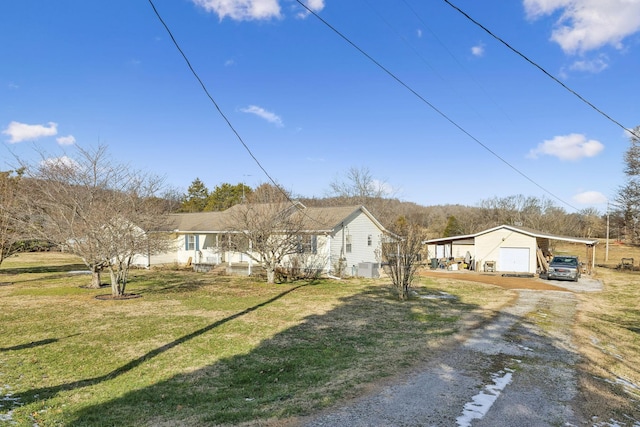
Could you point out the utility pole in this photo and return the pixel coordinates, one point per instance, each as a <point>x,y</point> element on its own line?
<point>243,179</point>
<point>606,252</point>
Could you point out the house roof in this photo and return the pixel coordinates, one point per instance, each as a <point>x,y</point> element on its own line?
<point>521,230</point>
<point>314,219</point>
<point>196,221</point>
<point>327,219</point>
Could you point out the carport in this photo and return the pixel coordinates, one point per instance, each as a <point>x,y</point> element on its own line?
<point>505,248</point>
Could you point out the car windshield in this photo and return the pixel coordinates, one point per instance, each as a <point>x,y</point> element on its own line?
<point>565,260</point>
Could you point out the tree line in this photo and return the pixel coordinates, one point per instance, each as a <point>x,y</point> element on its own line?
<point>357,188</point>
<point>106,212</point>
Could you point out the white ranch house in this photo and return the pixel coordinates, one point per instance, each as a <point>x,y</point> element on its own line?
<point>348,237</point>
<point>505,248</point>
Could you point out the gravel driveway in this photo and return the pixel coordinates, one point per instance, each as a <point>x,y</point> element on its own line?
<point>518,370</point>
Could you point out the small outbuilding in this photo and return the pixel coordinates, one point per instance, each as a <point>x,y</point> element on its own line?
<point>505,248</point>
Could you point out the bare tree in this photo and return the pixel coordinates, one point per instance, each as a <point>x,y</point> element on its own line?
<point>627,201</point>
<point>100,210</point>
<point>267,229</point>
<point>401,255</point>
<point>10,230</point>
<point>358,184</point>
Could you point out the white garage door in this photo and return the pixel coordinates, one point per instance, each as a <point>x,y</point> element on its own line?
<point>514,259</point>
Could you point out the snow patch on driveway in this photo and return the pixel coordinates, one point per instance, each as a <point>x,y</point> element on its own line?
<point>482,402</point>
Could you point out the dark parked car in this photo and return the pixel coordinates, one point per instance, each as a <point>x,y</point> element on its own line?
<point>564,267</point>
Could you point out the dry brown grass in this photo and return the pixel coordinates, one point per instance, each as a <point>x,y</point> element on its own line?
<point>607,333</point>
<point>205,349</point>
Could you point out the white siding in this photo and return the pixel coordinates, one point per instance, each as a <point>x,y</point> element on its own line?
<point>359,227</point>
<point>488,246</point>
<point>330,248</point>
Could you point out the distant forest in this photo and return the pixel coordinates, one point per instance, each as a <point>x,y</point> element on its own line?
<point>438,221</point>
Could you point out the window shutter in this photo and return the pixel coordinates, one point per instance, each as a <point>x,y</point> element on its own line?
<point>186,242</point>
<point>197,242</point>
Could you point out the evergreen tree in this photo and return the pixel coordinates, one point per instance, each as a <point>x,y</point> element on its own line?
<point>196,198</point>
<point>453,227</point>
<point>226,195</point>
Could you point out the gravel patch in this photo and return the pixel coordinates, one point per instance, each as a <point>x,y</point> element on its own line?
<point>511,372</point>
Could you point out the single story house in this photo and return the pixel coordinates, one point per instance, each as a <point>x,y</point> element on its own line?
<point>337,240</point>
<point>505,248</point>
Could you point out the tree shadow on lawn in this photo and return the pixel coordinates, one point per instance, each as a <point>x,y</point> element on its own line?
<point>44,269</point>
<point>48,392</point>
<point>30,345</point>
<point>33,344</point>
<point>301,369</point>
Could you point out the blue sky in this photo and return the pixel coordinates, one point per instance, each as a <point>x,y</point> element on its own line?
<point>310,106</point>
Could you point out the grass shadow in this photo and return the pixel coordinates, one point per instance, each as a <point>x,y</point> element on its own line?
<point>34,344</point>
<point>48,392</point>
<point>43,269</point>
<point>301,369</point>
<point>30,345</point>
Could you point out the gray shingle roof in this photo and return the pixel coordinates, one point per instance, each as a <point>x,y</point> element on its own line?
<point>314,219</point>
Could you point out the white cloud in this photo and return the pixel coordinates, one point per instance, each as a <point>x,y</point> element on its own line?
<point>568,147</point>
<point>252,10</point>
<point>586,25</point>
<point>62,163</point>
<point>383,188</point>
<point>314,5</point>
<point>590,198</point>
<point>262,113</point>
<point>242,10</point>
<point>23,132</point>
<point>66,140</point>
<point>591,66</point>
<point>477,50</point>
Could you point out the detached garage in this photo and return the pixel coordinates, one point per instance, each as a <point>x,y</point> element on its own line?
<point>505,248</point>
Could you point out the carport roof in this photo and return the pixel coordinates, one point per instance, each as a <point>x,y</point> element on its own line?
<point>521,230</point>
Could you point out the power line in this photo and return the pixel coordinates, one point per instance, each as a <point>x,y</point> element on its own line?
<point>433,107</point>
<point>206,91</point>
<point>422,57</point>
<point>547,73</point>
<point>435,36</point>
<point>226,119</point>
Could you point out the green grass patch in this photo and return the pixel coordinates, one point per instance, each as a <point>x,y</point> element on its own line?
<point>199,349</point>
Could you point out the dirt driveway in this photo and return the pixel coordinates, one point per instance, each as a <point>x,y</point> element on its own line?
<point>512,281</point>
<point>516,370</point>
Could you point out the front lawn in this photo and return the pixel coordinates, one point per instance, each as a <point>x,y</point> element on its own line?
<point>200,349</point>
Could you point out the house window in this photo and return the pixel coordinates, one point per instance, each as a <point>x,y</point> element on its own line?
<point>191,242</point>
<point>369,240</point>
<point>308,244</point>
<point>348,243</point>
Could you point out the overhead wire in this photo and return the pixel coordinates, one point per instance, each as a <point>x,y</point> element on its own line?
<point>457,61</point>
<point>225,118</point>
<point>432,106</point>
<point>213,101</point>
<point>422,57</point>
<point>547,73</point>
